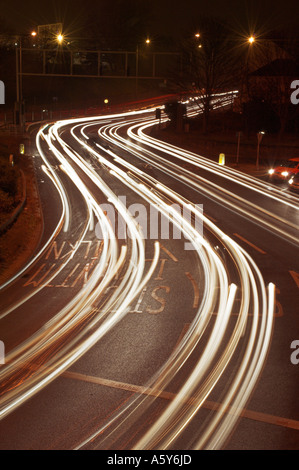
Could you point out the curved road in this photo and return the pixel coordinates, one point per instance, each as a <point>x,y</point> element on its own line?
<point>154,312</point>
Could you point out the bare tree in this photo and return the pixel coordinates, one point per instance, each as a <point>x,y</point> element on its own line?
<point>210,65</point>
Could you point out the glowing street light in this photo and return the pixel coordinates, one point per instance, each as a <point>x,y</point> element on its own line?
<point>147,41</point>
<point>60,38</point>
<point>251,39</point>
<point>259,139</point>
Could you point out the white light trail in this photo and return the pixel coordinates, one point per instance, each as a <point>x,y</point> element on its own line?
<point>97,313</point>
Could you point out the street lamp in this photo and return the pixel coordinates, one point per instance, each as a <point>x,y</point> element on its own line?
<point>147,41</point>
<point>259,139</point>
<point>19,105</point>
<point>60,38</point>
<point>251,39</point>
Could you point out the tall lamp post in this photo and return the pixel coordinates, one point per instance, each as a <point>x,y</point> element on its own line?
<point>147,41</point>
<point>259,139</point>
<point>19,114</point>
<point>19,105</point>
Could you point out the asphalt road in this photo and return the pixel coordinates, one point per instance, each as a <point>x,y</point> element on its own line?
<point>101,359</point>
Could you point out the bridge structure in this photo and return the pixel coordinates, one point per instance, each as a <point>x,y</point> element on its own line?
<point>108,64</point>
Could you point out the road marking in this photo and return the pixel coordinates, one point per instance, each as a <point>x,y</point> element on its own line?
<point>161,300</point>
<point>195,288</point>
<point>36,283</point>
<point>295,276</point>
<point>169,253</point>
<point>250,244</point>
<point>211,405</point>
<point>159,277</point>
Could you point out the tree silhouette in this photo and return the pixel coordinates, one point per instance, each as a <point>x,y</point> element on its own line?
<point>210,65</point>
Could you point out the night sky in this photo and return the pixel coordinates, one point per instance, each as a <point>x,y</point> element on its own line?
<point>167,15</point>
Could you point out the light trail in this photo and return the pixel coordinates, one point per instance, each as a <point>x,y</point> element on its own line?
<point>91,314</point>
<point>82,307</point>
<point>164,424</point>
<point>260,215</point>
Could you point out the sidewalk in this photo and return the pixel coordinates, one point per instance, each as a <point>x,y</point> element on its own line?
<point>250,168</point>
<point>20,240</point>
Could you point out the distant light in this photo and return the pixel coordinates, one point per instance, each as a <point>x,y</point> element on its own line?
<point>271,171</point>
<point>148,41</point>
<point>106,101</point>
<point>251,39</point>
<point>60,38</point>
<point>34,33</point>
<point>197,35</point>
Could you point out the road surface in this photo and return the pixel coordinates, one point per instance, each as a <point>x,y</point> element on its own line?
<point>160,308</point>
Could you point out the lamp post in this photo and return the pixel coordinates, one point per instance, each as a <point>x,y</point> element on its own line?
<point>147,41</point>
<point>19,107</point>
<point>19,114</point>
<point>259,139</point>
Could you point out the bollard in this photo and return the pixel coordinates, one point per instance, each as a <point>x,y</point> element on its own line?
<point>221,159</point>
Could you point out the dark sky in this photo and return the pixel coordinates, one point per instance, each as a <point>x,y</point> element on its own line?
<point>169,15</point>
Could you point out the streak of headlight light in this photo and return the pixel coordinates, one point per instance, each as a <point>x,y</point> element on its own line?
<point>152,437</point>
<point>256,368</point>
<point>201,322</point>
<point>192,383</point>
<point>202,162</point>
<point>75,302</point>
<point>129,297</point>
<point>46,375</point>
<point>66,210</point>
<point>64,216</point>
<point>100,183</point>
<point>263,344</point>
<point>245,202</point>
<point>94,177</point>
<point>121,174</point>
<point>255,365</point>
<point>196,237</point>
<point>206,164</point>
<point>56,154</point>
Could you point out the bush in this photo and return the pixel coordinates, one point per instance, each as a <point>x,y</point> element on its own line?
<point>8,178</point>
<point>6,202</point>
